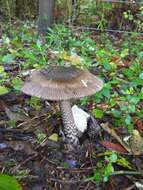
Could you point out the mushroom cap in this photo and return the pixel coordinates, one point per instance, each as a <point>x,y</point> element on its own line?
<point>62,83</point>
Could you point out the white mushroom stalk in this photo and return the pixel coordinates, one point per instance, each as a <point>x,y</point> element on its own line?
<point>70,128</point>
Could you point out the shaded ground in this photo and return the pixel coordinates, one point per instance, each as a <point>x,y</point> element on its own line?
<point>45,166</point>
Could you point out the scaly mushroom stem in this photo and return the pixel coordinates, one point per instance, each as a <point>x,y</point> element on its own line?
<point>69,124</point>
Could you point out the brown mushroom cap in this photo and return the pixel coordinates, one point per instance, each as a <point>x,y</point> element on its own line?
<point>62,83</point>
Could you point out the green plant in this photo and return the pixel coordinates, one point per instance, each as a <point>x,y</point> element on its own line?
<point>21,173</point>
<point>40,137</point>
<point>9,183</point>
<point>35,103</point>
<point>105,168</point>
<point>62,40</point>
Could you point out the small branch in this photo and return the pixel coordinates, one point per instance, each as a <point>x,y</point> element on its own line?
<point>66,181</point>
<point>120,1</point>
<point>104,30</point>
<point>121,172</point>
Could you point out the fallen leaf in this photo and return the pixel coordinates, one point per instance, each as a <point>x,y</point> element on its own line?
<point>136,143</point>
<point>21,146</point>
<point>53,137</point>
<point>138,123</point>
<point>112,146</point>
<point>15,116</point>
<point>113,133</point>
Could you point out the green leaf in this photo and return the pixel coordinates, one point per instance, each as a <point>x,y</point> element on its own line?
<point>1,69</point>
<point>141,76</point>
<point>124,53</point>
<point>97,176</point>
<point>140,55</point>
<point>17,84</point>
<point>116,113</point>
<point>106,92</point>
<point>8,58</point>
<point>128,119</point>
<point>108,171</point>
<point>54,137</point>
<point>107,66</point>
<point>113,157</point>
<point>131,108</point>
<point>124,162</point>
<point>136,82</point>
<point>3,90</point>
<point>39,44</point>
<point>134,99</point>
<point>97,113</point>
<point>9,183</point>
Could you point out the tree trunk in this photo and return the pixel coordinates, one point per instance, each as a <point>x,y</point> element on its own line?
<point>46,15</point>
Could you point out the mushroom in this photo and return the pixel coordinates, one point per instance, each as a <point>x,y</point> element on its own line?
<point>61,83</point>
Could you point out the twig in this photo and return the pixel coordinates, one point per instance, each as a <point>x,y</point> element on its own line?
<point>3,122</point>
<point>131,187</point>
<point>24,162</point>
<point>104,30</point>
<point>32,119</point>
<point>119,1</point>
<point>77,170</point>
<point>121,172</point>
<point>66,181</point>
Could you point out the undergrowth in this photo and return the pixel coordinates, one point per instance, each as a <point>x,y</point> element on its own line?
<point>117,60</point>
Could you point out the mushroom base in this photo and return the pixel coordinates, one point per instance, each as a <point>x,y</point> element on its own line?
<point>70,129</point>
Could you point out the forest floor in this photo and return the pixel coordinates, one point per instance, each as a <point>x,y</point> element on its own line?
<point>31,146</point>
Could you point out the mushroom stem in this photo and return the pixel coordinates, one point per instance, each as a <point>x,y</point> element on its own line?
<point>69,124</point>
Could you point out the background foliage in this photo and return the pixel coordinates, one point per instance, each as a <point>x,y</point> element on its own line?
<point>88,12</point>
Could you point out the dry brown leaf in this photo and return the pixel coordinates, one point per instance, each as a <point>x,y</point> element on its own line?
<point>113,133</point>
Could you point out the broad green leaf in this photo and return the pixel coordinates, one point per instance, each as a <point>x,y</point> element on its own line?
<point>97,113</point>
<point>97,176</point>
<point>124,53</point>
<point>107,66</point>
<point>140,55</point>
<point>134,99</point>
<point>131,108</point>
<point>39,44</point>
<point>1,69</point>
<point>116,113</point>
<point>128,119</point>
<point>3,90</point>
<point>8,58</point>
<point>108,171</point>
<point>113,157</point>
<point>141,76</point>
<point>17,84</point>
<point>106,92</point>
<point>9,183</point>
<point>136,82</point>
<point>6,40</point>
